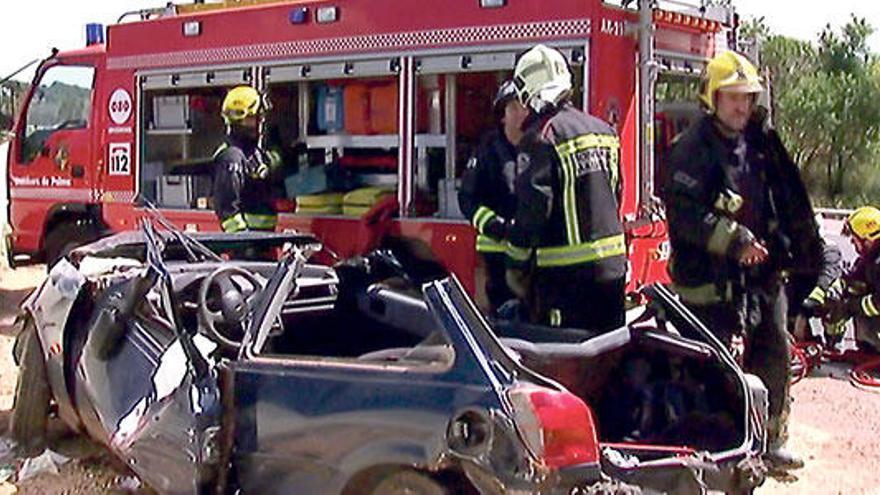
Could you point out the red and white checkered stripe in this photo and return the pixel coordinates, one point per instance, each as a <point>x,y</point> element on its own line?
<point>385,42</point>
<point>51,193</point>
<point>117,196</point>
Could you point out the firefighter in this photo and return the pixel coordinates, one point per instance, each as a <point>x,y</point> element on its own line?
<point>487,197</point>
<point>813,287</point>
<point>859,295</point>
<point>566,249</point>
<point>242,191</point>
<point>739,216</point>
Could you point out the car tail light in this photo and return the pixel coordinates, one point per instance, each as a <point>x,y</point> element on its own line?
<point>557,426</point>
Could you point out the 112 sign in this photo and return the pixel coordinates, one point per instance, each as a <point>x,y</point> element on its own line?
<point>119,158</point>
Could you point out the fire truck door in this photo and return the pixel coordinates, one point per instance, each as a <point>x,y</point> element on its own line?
<point>54,153</point>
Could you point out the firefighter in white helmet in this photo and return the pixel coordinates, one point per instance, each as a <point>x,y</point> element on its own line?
<point>566,249</point>
<point>739,220</point>
<point>242,192</point>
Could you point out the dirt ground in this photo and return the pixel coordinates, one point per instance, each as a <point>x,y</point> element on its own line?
<point>834,426</point>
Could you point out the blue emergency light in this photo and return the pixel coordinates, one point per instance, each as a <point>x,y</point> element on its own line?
<point>94,34</point>
<point>298,15</point>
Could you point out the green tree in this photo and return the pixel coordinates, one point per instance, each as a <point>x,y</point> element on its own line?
<point>826,105</point>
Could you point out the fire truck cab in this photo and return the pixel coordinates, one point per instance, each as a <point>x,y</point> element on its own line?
<point>370,99</point>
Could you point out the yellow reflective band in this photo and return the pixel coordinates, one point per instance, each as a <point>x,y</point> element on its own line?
<point>722,236</point>
<point>482,216</point>
<point>586,252</point>
<point>700,295</point>
<point>569,200</point>
<point>868,306</point>
<point>517,253</point>
<point>567,151</point>
<point>587,141</point>
<point>220,149</point>
<point>234,224</point>
<point>835,328</point>
<point>275,160</point>
<point>487,244</point>
<point>260,222</point>
<point>818,295</point>
<point>555,317</point>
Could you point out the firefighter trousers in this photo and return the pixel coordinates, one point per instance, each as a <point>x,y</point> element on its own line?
<point>868,332</point>
<point>572,297</point>
<point>497,290</point>
<point>758,317</point>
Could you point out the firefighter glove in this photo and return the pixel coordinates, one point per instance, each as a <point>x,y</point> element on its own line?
<point>814,305</point>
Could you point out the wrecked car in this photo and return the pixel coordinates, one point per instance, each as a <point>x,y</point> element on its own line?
<point>220,373</point>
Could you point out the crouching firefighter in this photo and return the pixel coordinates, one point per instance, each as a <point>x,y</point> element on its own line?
<point>487,195</point>
<point>566,247</point>
<point>242,191</point>
<point>858,296</point>
<point>739,218</point>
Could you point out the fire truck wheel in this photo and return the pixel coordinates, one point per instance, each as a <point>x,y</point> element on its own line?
<point>30,412</point>
<point>63,238</point>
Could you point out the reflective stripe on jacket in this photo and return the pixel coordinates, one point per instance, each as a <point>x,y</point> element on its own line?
<point>568,195</point>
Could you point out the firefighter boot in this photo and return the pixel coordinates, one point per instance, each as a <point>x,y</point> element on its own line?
<point>779,458</point>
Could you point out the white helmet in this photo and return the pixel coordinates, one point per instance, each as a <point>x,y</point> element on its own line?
<point>542,77</point>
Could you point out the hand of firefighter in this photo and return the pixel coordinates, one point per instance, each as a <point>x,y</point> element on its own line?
<point>836,314</point>
<point>753,253</point>
<point>814,305</point>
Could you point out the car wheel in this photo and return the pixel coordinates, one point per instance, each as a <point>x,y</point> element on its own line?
<point>409,482</point>
<point>30,412</point>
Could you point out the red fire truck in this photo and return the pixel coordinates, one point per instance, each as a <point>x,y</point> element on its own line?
<point>368,97</point>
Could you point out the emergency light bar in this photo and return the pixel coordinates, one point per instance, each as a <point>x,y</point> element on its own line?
<point>298,15</point>
<point>94,34</point>
<point>492,4</point>
<point>326,15</point>
<point>679,19</point>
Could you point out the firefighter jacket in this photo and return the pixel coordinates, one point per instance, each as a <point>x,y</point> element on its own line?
<point>722,193</point>
<point>567,195</point>
<point>487,196</point>
<point>863,285</point>
<point>242,193</point>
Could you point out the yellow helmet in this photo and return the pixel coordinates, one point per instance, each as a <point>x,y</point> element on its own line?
<point>729,71</point>
<point>863,223</point>
<point>541,75</point>
<point>240,103</point>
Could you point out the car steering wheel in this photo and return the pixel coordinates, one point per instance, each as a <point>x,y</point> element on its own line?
<point>239,289</point>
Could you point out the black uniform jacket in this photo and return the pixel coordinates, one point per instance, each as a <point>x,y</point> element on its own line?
<point>487,196</point>
<point>706,235</point>
<point>568,193</point>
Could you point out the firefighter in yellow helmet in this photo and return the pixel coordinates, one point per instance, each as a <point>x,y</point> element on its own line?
<point>739,219</point>
<point>242,192</point>
<point>859,289</point>
<point>566,251</point>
